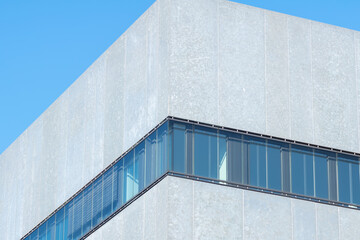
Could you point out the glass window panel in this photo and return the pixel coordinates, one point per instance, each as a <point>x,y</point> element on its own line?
<point>97,201</point>
<point>107,192</point>
<point>69,216</point>
<point>178,151</point>
<point>222,158</point>
<point>321,175</point>
<point>162,150</point>
<point>42,232</point>
<point>257,161</point>
<point>344,180</point>
<point>189,149</point>
<point>118,185</point>
<point>78,205</point>
<point>35,235</point>
<point>309,174</point>
<point>302,170</point>
<point>60,221</point>
<point>87,209</point>
<point>332,177</point>
<point>297,172</point>
<point>274,167</point>
<point>235,159</point>
<point>129,176</point>
<point>355,182</point>
<point>205,155</point>
<point>50,228</point>
<point>150,144</point>
<point>139,167</point>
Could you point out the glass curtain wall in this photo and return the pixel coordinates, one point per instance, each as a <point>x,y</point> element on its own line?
<point>140,167</point>
<point>264,163</point>
<point>210,153</point>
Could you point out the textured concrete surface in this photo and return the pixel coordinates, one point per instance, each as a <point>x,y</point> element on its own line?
<point>179,208</point>
<point>208,60</point>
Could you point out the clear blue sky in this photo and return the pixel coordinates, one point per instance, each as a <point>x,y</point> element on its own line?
<point>46,45</point>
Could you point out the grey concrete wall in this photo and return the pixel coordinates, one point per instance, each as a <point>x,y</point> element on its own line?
<point>208,60</point>
<point>184,209</point>
<point>262,71</point>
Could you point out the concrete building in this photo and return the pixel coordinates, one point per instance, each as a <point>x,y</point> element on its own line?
<point>271,151</point>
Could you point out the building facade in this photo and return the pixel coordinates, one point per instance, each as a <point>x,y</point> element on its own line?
<point>206,119</point>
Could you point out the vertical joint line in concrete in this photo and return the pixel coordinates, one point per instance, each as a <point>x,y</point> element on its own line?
<point>316,221</point>
<point>265,77</point>
<point>292,218</point>
<point>193,209</point>
<point>312,81</point>
<point>218,61</point>
<point>288,72</point>
<point>243,214</point>
<point>338,212</point>
<point>357,86</point>
<point>123,100</point>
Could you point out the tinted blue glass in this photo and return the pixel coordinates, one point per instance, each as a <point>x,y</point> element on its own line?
<point>223,168</point>
<point>302,172</point>
<point>78,205</point>
<point>321,176</point>
<point>235,159</point>
<point>344,180</point>
<point>140,167</point>
<point>60,222</point>
<point>274,167</point>
<point>129,176</point>
<point>69,216</point>
<point>118,184</point>
<point>205,154</point>
<point>50,228</point>
<point>87,209</point>
<point>162,150</point>
<point>298,172</point>
<point>309,174</point>
<point>35,235</point>
<point>150,144</point>
<point>97,201</point>
<point>257,162</point>
<point>179,150</point>
<point>355,182</point>
<point>42,232</point>
<point>107,193</point>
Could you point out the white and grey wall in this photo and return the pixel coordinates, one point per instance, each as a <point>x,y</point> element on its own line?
<point>185,209</point>
<point>207,60</point>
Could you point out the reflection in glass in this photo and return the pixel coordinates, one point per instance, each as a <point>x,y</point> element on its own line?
<point>321,176</point>
<point>129,179</point>
<point>59,218</point>
<point>150,144</point>
<point>50,228</point>
<point>302,173</point>
<point>205,154</point>
<point>257,162</point>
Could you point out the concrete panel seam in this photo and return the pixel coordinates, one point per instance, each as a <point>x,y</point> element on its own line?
<point>312,81</point>
<point>243,214</point>
<point>338,212</point>
<point>123,102</point>
<point>292,218</point>
<point>218,61</point>
<point>193,209</point>
<point>316,222</point>
<point>357,86</point>
<point>288,72</point>
<point>265,75</point>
